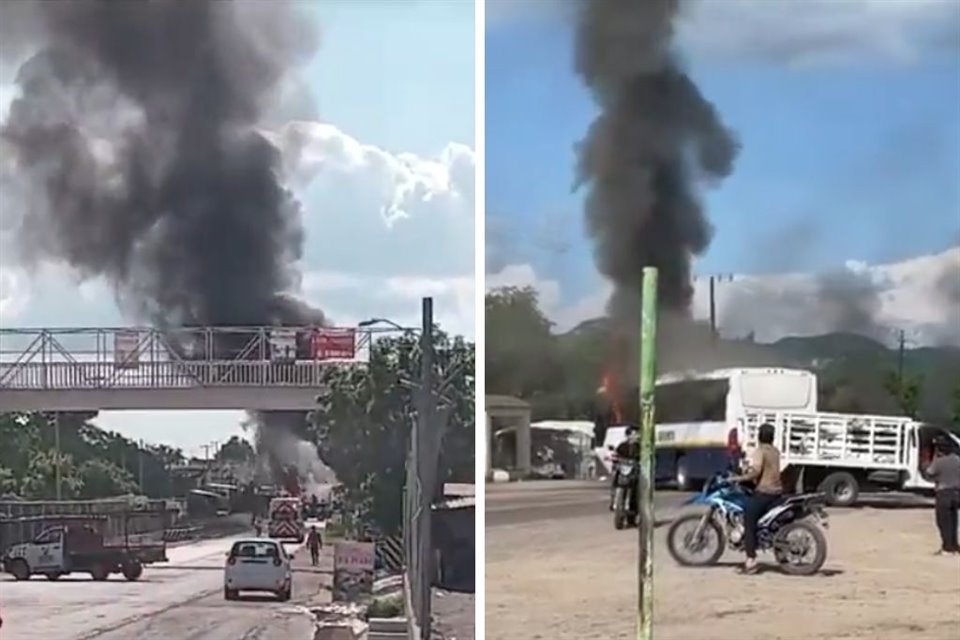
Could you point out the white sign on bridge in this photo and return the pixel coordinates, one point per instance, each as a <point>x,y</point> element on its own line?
<point>126,349</point>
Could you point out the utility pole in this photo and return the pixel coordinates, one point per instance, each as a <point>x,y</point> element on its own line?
<point>900,354</point>
<point>648,372</point>
<point>56,440</point>
<point>140,465</point>
<point>713,308</point>
<point>426,459</point>
<point>712,281</point>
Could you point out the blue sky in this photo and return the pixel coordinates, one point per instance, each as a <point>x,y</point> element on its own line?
<point>396,73</point>
<point>856,155</point>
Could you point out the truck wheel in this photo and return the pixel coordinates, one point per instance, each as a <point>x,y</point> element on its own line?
<point>230,594</point>
<point>99,572</point>
<point>840,488</point>
<point>19,569</point>
<point>132,570</point>
<point>53,576</point>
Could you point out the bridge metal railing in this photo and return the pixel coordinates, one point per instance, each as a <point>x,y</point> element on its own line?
<point>125,358</point>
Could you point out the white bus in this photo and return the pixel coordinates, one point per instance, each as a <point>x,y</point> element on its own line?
<point>700,416</point>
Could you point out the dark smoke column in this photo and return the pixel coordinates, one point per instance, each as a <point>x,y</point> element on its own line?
<point>655,139</point>
<point>136,136</point>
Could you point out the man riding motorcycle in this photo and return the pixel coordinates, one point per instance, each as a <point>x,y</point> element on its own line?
<point>629,449</point>
<point>763,468</point>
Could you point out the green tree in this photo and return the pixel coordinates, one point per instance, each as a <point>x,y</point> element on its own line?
<point>102,478</point>
<point>956,407</point>
<point>363,421</point>
<point>237,450</point>
<point>95,463</point>
<point>522,358</point>
<point>40,480</point>
<point>907,390</point>
<point>8,481</point>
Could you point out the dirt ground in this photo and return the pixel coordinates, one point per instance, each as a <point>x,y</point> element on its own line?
<point>453,615</point>
<point>576,579</point>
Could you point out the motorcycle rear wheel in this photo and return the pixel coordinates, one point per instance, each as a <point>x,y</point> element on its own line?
<point>678,540</point>
<point>784,552</point>
<point>619,509</point>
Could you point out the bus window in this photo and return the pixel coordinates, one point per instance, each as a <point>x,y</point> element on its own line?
<point>692,401</point>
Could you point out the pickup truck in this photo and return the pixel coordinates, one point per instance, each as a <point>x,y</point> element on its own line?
<point>79,548</point>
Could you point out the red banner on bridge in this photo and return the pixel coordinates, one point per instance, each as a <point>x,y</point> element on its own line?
<point>334,344</point>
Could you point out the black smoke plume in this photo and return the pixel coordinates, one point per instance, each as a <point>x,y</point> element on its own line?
<point>654,143</point>
<point>656,139</point>
<point>136,133</point>
<point>136,129</point>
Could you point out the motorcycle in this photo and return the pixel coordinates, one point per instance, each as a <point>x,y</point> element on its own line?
<point>793,529</point>
<point>625,495</point>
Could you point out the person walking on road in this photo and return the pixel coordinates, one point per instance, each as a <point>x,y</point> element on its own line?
<point>945,472</point>
<point>314,543</point>
<point>764,469</point>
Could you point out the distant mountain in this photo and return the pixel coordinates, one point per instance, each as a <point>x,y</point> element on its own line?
<point>851,368</point>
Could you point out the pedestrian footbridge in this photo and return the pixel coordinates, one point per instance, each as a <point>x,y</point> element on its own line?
<point>257,368</point>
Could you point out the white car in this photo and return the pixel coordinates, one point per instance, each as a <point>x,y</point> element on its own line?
<point>257,564</point>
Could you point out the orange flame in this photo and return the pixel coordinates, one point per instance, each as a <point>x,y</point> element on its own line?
<point>609,389</point>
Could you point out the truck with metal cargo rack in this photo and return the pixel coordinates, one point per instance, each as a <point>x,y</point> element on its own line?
<point>76,544</point>
<point>841,455</point>
<point>705,420</point>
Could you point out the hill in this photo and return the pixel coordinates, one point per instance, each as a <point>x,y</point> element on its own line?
<point>852,369</point>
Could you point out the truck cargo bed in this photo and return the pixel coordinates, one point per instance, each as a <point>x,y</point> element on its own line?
<point>835,439</point>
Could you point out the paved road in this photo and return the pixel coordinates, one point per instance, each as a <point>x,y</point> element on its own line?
<point>522,502</point>
<point>182,599</point>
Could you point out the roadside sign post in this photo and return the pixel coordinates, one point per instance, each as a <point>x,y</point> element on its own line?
<point>648,369</point>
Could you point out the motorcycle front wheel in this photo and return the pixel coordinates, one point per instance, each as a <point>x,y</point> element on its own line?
<point>703,551</point>
<point>800,548</point>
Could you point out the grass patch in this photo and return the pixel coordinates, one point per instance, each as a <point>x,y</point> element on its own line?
<point>335,530</point>
<point>386,607</point>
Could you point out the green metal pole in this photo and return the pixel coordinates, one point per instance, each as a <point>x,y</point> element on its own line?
<point>648,372</point>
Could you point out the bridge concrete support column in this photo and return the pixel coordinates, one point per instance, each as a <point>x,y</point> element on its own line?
<point>516,413</point>
<point>488,449</point>
<point>523,443</point>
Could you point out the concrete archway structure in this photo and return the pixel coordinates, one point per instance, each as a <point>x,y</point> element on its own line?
<point>515,413</point>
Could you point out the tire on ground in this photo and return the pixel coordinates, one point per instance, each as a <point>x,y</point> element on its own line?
<point>841,489</point>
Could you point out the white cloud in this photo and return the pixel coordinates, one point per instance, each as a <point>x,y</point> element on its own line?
<point>920,295</point>
<point>383,229</point>
<point>812,32</point>
<point>350,298</point>
<point>372,211</point>
<point>791,32</point>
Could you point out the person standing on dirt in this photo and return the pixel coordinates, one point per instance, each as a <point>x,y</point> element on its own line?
<point>945,472</point>
<point>314,543</point>
<point>764,469</point>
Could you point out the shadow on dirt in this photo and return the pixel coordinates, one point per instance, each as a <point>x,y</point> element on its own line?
<point>764,568</point>
<point>891,501</point>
